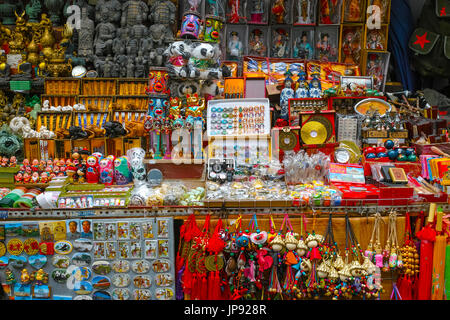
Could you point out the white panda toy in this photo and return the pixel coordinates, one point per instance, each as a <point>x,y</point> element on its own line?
<point>209,89</point>
<point>177,56</point>
<point>205,58</point>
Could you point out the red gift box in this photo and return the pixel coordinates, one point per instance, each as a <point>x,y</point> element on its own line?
<point>354,194</point>
<point>394,195</point>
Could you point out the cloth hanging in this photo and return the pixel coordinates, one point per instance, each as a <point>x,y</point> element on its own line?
<point>400,29</point>
<point>427,236</point>
<point>437,289</point>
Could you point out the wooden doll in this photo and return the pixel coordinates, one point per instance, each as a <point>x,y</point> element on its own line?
<point>106,170</point>
<point>92,169</point>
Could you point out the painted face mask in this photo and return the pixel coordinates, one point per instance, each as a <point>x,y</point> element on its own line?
<point>190,26</point>
<point>213,26</point>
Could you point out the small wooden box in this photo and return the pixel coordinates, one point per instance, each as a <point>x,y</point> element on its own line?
<point>98,87</point>
<point>131,87</point>
<point>62,100</point>
<point>97,103</point>
<point>62,86</point>
<point>132,103</point>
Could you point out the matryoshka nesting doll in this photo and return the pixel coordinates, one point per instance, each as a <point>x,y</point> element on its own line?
<point>122,171</point>
<point>92,169</point>
<point>106,170</point>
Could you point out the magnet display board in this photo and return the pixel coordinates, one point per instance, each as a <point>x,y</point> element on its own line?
<point>101,259</point>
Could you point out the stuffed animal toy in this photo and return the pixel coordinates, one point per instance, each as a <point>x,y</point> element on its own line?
<point>122,171</point>
<point>106,170</point>
<point>92,169</point>
<point>136,158</point>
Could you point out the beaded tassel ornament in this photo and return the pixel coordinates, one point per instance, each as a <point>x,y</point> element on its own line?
<point>313,242</point>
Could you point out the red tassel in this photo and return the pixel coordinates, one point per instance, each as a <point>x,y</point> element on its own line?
<point>405,288</point>
<point>204,287</point>
<point>216,286</point>
<point>194,288</point>
<point>211,284</point>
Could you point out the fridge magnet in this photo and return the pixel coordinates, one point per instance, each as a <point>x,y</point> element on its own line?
<point>13,229</point>
<point>83,245</point>
<point>161,265</point>
<point>99,231</point>
<point>163,228</point>
<point>121,280</point>
<point>37,261</point>
<point>147,230</point>
<point>22,291</point>
<point>120,294</point>
<point>110,250</point>
<point>123,229</point>
<point>46,231</point>
<point>136,250</point>
<point>163,248</point>
<point>73,229</point>
<point>4,262</point>
<point>60,275</point>
<point>86,231</point>
<point>124,249</point>
<point>83,287</point>
<point>110,231</point>
<point>30,229</point>
<point>141,294</point>
<point>135,231</point>
<point>142,282</point>
<point>121,266</point>
<point>17,262</point>
<point>101,295</point>
<point>31,246</point>
<point>58,297</point>
<point>14,247</point>
<point>80,273</point>
<point>41,291</point>
<point>2,249</point>
<point>59,230</point>
<point>81,259</point>
<point>46,248</point>
<point>150,249</point>
<point>164,294</point>
<point>63,247</point>
<point>140,266</point>
<point>101,267</point>
<point>164,280</point>
<point>82,297</point>
<point>101,282</point>
<point>99,250</point>
<point>61,262</point>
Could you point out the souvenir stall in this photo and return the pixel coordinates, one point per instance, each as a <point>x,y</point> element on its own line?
<point>218,150</point>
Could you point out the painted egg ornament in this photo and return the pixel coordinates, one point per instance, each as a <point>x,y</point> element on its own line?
<point>402,157</point>
<point>412,158</point>
<point>381,155</point>
<point>389,144</point>
<point>369,150</point>
<point>392,154</point>
<point>380,150</point>
<point>409,151</point>
<point>371,156</point>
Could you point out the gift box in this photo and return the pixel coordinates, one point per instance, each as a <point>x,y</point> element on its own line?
<point>411,168</point>
<point>393,194</point>
<point>357,194</point>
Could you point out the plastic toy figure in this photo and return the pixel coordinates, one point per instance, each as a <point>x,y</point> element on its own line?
<point>235,16</point>
<point>302,48</point>
<point>326,51</point>
<point>279,11</point>
<point>353,11</point>
<point>257,47</point>
<point>280,47</point>
<point>374,40</point>
<point>257,11</point>
<point>351,48</point>
<point>303,9</point>
<point>235,47</point>
<point>374,69</point>
<point>286,94</point>
<point>325,12</point>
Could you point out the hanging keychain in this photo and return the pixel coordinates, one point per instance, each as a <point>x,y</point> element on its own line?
<point>303,265</point>
<point>393,258</point>
<point>313,241</point>
<point>290,257</point>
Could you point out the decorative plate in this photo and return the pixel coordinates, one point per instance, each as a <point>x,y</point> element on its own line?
<point>63,247</point>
